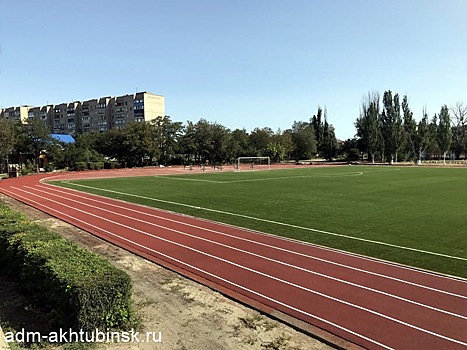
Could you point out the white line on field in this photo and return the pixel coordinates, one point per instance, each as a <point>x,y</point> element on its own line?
<point>359,173</point>
<point>272,222</point>
<point>188,179</point>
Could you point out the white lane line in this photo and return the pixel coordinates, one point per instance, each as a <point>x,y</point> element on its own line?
<point>359,173</point>
<point>262,179</point>
<point>188,179</point>
<point>418,271</point>
<point>256,272</point>
<point>260,256</point>
<point>273,222</point>
<point>12,194</point>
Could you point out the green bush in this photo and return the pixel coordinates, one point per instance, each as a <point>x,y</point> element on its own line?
<point>96,165</point>
<point>111,165</point>
<point>83,290</point>
<point>49,167</point>
<point>79,166</point>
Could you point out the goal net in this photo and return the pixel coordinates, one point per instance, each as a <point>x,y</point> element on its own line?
<point>253,163</point>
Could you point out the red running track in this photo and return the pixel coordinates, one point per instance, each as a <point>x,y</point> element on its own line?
<point>374,304</point>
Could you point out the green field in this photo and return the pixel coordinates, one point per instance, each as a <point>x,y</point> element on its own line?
<point>422,211</point>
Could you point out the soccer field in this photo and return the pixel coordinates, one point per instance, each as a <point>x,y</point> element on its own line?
<point>415,216</point>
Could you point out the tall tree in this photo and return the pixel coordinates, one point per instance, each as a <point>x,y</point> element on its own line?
<point>367,125</point>
<point>203,138</point>
<point>410,126</point>
<point>187,143</point>
<point>138,140</point>
<point>317,122</point>
<point>303,137</point>
<point>238,145</point>
<point>392,125</point>
<point>166,135</point>
<point>444,134</point>
<point>219,143</point>
<point>422,136</point>
<point>417,134</point>
<point>259,139</point>
<point>459,128</point>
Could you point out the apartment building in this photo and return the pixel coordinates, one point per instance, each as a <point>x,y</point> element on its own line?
<point>43,114</point>
<point>16,113</point>
<point>93,115</point>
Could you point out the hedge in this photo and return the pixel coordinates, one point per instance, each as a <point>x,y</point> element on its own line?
<point>96,165</point>
<point>111,165</point>
<point>79,166</point>
<point>83,290</point>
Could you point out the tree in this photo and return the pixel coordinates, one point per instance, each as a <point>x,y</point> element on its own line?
<point>8,139</point>
<point>303,137</point>
<point>285,140</point>
<point>417,135</point>
<point>259,139</point>
<point>187,144</point>
<point>367,125</point>
<point>410,126</point>
<point>238,145</point>
<point>33,139</point>
<point>328,149</point>
<point>422,137</point>
<point>138,142</point>
<point>349,149</point>
<point>444,133</point>
<point>391,124</point>
<point>166,136</point>
<point>433,148</point>
<point>203,138</point>
<point>459,128</point>
<point>318,127</point>
<point>219,143</point>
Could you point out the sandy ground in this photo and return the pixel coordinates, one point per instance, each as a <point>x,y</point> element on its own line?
<point>187,315</point>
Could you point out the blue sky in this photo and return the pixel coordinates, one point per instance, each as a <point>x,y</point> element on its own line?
<point>244,63</point>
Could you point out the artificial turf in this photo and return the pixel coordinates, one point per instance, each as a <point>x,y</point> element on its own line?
<point>413,207</point>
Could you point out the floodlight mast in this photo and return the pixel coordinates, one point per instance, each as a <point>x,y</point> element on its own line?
<point>252,160</point>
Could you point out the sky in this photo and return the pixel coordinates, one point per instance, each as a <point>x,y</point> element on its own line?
<point>241,63</point>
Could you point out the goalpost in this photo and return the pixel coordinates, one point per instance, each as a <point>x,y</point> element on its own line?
<point>253,163</point>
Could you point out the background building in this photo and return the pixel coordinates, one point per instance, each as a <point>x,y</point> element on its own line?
<point>94,115</point>
<point>16,113</point>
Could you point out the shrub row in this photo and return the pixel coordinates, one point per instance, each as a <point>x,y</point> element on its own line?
<point>83,290</point>
<point>79,166</point>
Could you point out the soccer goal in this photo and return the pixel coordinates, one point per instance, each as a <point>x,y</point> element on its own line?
<point>253,163</point>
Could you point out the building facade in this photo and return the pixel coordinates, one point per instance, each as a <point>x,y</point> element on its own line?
<point>94,115</point>
<point>16,113</point>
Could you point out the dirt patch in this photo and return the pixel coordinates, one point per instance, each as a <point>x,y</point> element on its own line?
<point>188,315</point>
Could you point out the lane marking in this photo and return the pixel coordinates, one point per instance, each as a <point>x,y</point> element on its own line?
<point>202,271</point>
<point>257,272</point>
<point>100,200</point>
<point>262,257</point>
<point>187,179</point>
<point>273,222</point>
<point>359,173</point>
